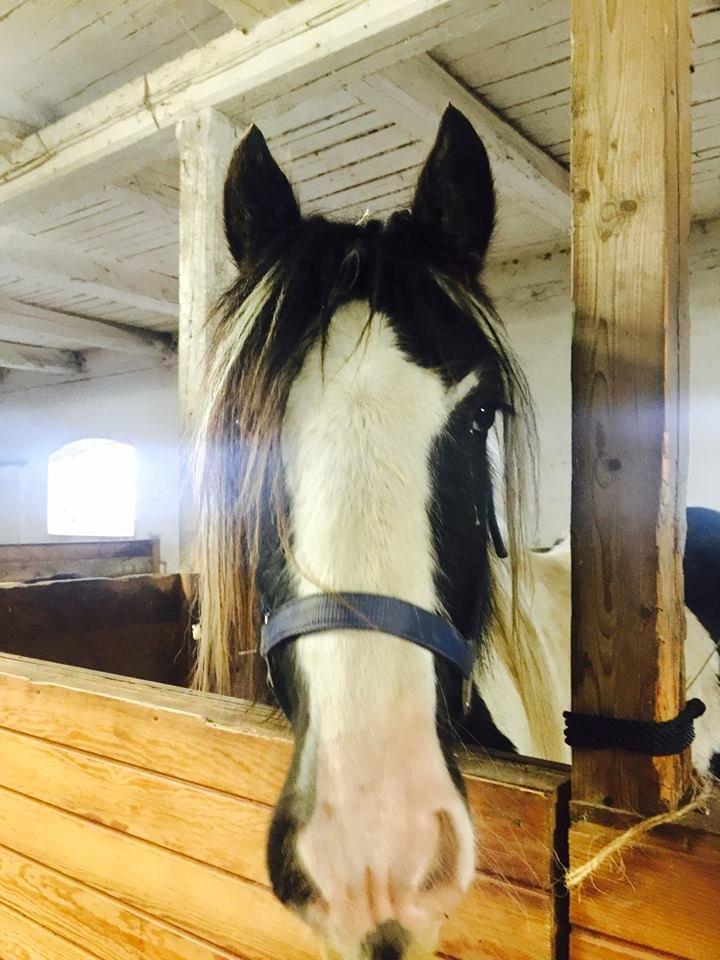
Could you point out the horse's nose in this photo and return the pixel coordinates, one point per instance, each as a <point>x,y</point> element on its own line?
<point>384,863</point>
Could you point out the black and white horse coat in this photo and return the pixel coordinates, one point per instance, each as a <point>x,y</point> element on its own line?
<point>354,376</point>
<point>505,714</point>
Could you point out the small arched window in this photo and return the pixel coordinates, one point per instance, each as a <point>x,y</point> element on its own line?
<point>92,486</point>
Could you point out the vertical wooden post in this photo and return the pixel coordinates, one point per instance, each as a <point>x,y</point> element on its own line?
<point>206,141</point>
<point>631,185</point>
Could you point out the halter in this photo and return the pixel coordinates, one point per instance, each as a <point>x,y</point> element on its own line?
<point>374,613</point>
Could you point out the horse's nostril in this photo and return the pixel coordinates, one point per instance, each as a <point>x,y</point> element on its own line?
<point>387,942</point>
<point>444,867</point>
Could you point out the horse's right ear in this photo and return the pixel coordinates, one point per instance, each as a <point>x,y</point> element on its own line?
<point>259,204</point>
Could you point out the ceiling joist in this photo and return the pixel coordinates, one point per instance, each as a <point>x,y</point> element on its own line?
<point>20,356</point>
<point>415,93</point>
<point>22,321</point>
<point>302,52</point>
<point>246,15</point>
<point>64,266</point>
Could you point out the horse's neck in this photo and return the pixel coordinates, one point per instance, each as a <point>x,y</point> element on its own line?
<point>527,675</point>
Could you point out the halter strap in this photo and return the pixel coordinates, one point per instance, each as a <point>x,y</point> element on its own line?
<point>366,611</point>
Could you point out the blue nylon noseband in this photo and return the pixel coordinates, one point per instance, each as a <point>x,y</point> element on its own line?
<point>366,611</point>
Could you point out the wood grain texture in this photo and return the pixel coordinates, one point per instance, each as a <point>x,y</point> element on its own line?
<point>516,840</point>
<point>106,927</point>
<point>78,274</point>
<point>239,916</point>
<point>630,163</point>
<point>20,321</point>
<point>205,142</point>
<point>414,95</point>
<point>23,939</point>
<point>585,945</point>
<point>500,921</point>
<point>207,741</point>
<point>245,15</point>
<point>661,894</point>
<point>136,625</point>
<point>164,811</point>
<point>232,913</point>
<point>21,356</point>
<point>135,809</point>
<point>100,558</point>
<point>204,739</point>
<point>305,51</point>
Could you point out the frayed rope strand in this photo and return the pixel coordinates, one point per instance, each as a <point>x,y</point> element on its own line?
<point>573,878</point>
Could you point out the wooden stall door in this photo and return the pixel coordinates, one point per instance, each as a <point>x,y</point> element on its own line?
<point>133,819</point>
<point>138,626</point>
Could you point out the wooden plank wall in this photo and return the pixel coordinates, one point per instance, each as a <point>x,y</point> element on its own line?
<point>137,626</point>
<point>133,820</point>
<point>97,558</point>
<point>630,358</point>
<point>658,899</point>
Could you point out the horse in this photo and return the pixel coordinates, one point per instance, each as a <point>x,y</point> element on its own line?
<point>348,529</point>
<point>504,713</point>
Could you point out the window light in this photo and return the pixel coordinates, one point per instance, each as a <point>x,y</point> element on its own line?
<point>92,489</point>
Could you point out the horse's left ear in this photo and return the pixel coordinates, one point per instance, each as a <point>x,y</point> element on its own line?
<point>259,204</point>
<point>455,198</point>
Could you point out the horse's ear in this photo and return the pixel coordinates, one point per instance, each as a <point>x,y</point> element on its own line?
<point>455,198</point>
<point>259,204</point>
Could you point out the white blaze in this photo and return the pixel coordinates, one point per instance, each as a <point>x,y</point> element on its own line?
<point>357,444</point>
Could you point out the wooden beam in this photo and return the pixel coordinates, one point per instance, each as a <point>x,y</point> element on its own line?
<point>15,107</point>
<point>631,189</point>
<point>12,133</point>
<point>206,142</point>
<point>26,321</point>
<point>61,265</point>
<point>93,177</point>
<point>246,15</point>
<point>303,52</point>
<point>415,93</point>
<point>21,356</point>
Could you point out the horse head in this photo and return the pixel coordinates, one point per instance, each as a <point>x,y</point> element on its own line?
<point>355,375</point>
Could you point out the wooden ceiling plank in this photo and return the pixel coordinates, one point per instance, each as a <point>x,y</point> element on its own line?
<point>246,15</point>
<point>415,94</point>
<point>363,195</point>
<point>390,138</point>
<point>303,52</point>
<point>22,320</point>
<point>322,189</point>
<point>61,265</point>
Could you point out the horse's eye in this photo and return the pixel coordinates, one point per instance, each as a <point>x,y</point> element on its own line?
<point>483,419</point>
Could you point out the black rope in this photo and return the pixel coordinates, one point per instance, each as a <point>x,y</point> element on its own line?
<point>660,738</point>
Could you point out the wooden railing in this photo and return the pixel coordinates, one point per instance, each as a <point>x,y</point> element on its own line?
<point>93,558</point>
<point>133,819</point>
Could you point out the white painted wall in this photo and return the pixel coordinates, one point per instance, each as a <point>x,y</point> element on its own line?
<point>139,407</point>
<point>533,298</point>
